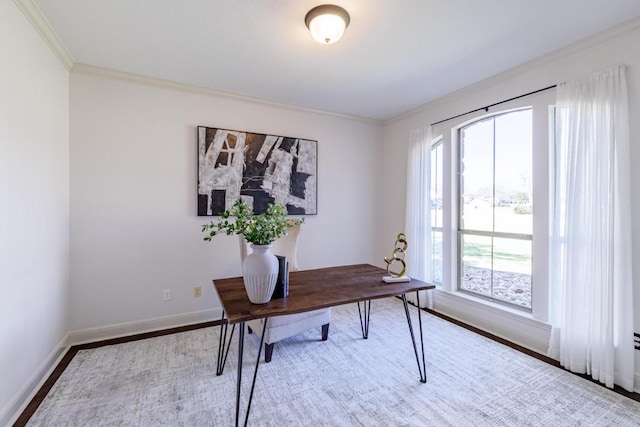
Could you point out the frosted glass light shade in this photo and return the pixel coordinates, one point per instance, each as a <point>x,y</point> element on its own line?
<point>327,23</point>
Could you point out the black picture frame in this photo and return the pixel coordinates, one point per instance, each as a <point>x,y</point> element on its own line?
<point>258,168</point>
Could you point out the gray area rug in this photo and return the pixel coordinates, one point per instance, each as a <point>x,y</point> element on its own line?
<point>345,381</point>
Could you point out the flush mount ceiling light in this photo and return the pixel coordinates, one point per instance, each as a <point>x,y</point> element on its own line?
<point>327,23</point>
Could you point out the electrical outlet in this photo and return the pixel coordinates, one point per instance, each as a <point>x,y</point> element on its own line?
<point>166,294</point>
<point>197,291</point>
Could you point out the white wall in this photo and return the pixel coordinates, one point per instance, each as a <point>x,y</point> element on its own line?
<point>132,197</point>
<point>617,46</point>
<point>134,229</point>
<point>34,197</point>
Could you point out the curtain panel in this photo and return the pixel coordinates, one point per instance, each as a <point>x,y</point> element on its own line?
<point>418,214</point>
<point>591,285</point>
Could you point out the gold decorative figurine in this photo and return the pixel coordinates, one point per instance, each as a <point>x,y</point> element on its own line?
<point>397,257</point>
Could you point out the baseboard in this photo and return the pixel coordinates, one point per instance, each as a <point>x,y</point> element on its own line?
<point>17,405</point>
<point>526,332</point>
<point>518,329</point>
<point>141,326</point>
<point>10,413</point>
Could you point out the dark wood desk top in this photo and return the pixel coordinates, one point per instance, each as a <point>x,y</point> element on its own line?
<point>313,289</point>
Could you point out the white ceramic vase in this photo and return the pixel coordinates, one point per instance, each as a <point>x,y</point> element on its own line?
<point>260,273</point>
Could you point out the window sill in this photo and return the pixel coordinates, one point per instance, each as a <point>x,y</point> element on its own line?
<point>526,313</point>
<point>505,322</point>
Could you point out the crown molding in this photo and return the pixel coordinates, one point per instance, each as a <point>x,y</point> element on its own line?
<point>596,39</point>
<point>33,14</point>
<point>80,68</point>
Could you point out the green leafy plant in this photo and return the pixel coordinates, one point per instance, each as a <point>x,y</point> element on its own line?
<point>261,229</point>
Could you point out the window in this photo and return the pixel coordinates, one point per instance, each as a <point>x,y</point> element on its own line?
<point>436,198</point>
<point>489,213</point>
<point>495,225</point>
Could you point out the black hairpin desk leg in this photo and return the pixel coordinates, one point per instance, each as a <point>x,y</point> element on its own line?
<point>255,372</point>
<point>364,314</point>
<point>421,366</point>
<point>223,344</point>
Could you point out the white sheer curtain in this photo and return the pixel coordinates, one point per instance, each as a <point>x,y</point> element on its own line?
<point>590,254</point>
<point>418,219</point>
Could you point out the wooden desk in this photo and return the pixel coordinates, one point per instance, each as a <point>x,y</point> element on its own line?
<point>310,290</point>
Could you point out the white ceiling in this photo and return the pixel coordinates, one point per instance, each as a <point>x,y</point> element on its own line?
<point>395,55</point>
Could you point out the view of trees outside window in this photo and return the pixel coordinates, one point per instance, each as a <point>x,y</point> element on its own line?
<point>436,197</point>
<point>496,206</point>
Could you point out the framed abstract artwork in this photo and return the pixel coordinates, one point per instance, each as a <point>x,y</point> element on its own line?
<point>257,168</point>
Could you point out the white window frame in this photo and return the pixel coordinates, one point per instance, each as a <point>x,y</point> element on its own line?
<point>469,232</point>
<point>435,144</point>
<point>540,104</point>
